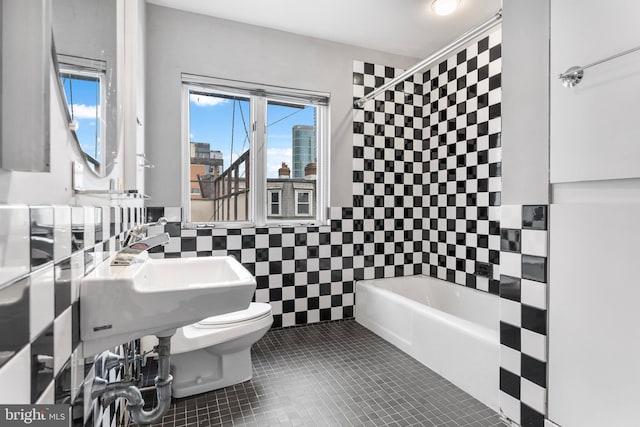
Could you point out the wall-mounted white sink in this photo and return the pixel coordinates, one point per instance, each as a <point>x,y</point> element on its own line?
<point>153,296</point>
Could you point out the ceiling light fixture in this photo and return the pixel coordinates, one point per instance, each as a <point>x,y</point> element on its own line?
<point>444,7</point>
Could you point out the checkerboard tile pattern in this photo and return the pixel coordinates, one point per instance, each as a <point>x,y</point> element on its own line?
<point>426,196</point>
<point>523,314</point>
<point>48,250</point>
<point>387,211</point>
<point>306,273</point>
<point>462,164</point>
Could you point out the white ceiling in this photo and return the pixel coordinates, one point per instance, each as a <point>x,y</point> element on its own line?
<point>404,27</point>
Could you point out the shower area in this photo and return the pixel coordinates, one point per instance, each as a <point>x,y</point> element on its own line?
<point>427,178</point>
<point>506,219</point>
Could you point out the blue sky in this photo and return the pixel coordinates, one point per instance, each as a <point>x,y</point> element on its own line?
<point>211,121</point>
<point>82,94</point>
<point>212,118</point>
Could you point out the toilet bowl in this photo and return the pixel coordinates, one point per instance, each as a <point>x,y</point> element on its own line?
<point>216,352</point>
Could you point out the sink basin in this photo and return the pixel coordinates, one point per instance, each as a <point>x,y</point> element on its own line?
<point>156,296</point>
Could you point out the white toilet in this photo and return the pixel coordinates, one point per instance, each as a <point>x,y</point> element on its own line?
<point>216,352</point>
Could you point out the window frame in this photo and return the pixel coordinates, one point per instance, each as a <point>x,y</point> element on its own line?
<point>260,95</point>
<point>298,192</point>
<point>270,192</point>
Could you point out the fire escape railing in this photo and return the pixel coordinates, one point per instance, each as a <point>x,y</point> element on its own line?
<point>227,190</point>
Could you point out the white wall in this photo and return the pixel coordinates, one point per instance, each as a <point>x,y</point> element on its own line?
<point>595,176</point>
<point>133,87</point>
<point>183,42</point>
<point>25,85</point>
<point>525,102</point>
<point>594,132</point>
<point>594,317</point>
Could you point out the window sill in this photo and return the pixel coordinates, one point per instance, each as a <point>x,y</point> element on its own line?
<point>236,225</point>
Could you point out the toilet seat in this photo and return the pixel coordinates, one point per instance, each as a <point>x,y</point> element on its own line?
<point>196,336</point>
<point>256,311</point>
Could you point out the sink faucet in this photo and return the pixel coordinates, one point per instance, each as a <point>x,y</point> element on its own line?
<point>137,242</point>
<point>139,232</point>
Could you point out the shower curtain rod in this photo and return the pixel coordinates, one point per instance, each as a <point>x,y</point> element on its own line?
<point>459,42</point>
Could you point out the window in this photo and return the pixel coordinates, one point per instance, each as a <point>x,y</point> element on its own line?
<point>303,203</point>
<point>257,154</point>
<point>274,202</point>
<point>82,80</point>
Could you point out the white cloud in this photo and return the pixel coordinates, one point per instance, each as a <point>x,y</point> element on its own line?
<point>275,158</point>
<point>280,153</point>
<point>206,101</point>
<point>82,111</point>
<point>191,136</point>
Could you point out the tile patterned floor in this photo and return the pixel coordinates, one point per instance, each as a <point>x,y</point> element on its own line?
<point>333,374</point>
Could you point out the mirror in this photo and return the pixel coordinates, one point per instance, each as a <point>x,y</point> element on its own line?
<point>84,33</point>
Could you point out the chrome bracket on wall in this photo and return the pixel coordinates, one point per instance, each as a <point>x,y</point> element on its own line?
<point>571,77</point>
<point>574,75</point>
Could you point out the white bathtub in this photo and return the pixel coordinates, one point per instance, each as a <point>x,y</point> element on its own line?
<point>449,328</point>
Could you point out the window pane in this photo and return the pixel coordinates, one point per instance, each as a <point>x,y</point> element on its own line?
<point>219,135</point>
<point>303,209</point>
<point>292,155</point>
<point>83,99</point>
<point>275,203</point>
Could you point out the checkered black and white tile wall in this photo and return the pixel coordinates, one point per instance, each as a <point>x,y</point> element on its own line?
<point>45,253</point>
<point>523,314</point>
<point>387,173</point>
<point>462,164</point>
<point>401,166</point>
<point>306,273</point>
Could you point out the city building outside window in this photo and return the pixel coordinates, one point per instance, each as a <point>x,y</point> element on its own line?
<point>303,203</point>
<point>240,140</point>
<point>274,202</point>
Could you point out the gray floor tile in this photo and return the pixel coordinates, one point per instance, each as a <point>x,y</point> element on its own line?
<point>333,374</point>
